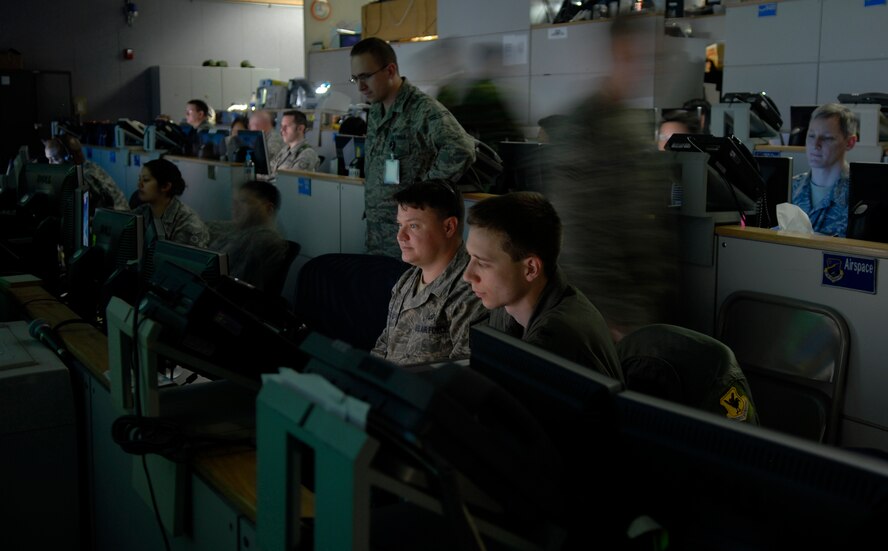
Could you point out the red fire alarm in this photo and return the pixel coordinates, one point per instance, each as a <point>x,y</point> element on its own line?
<point>129,53</point>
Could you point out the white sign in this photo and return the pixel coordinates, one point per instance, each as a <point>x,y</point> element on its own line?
<point>558,33</point>
<point>514,49</point>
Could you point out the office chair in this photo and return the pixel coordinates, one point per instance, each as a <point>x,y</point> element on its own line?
<point>690,368</point>
<point>346,296</point>
<point>796,362</point>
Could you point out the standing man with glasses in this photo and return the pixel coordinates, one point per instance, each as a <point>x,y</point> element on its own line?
<point>410,137</point>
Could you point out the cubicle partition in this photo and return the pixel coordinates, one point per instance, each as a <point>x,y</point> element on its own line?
<point>844,274</point>
<point>210,185</point>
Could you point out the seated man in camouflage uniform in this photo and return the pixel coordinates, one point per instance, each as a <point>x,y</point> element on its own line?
<point>431,308</point>
<point>514,242</point>
<point>103,191</point>
<point>296,154</point>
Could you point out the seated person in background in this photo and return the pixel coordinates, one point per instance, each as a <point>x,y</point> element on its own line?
<point>514,243</point>
<point>237,125</point>
<point>550,126</point>
<point>296,153</point>
<point>103,191</point>
<point>168,218</point>
<point>197,114</point>
<point>254,245</point>
<point>432,308</point>
<point>676,122</point>
<point>822,192</point>
<point>263,121</point>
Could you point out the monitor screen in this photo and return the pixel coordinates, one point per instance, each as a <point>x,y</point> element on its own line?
<point>349,152</point>
<point>252,141</point>
<point>118,240</point>
<point>730,159</point>
<point>524,164</point>
<point>133,131</point>
<point>713,483</point>
<point>172,137</point>
<point>868,202</point>
<point>572,403</point>
<point>75,213</point>
<point>211,144</point>
<point>209,265</point>
<point>43,185</point>
<point>777,175</point>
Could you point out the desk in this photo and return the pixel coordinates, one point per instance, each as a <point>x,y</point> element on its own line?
<point>791,265</point>
<point>223,485</point>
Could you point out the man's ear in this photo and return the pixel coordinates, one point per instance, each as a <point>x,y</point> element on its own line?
<point>533,267</point>
<point>850,142</point>
<point>451,226</point>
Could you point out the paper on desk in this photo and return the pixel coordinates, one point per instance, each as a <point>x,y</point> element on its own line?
<point>791,218</point>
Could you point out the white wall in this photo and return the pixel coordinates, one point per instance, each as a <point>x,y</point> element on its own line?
<point>88,39</point>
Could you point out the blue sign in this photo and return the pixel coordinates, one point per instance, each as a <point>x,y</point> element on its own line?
<point>766,154</point>
<point>768,10</point>
<point>305,186</point>
<point>868,3</point>
<point>113,156</point>
<point>849,272</point>
<point>137,160</point>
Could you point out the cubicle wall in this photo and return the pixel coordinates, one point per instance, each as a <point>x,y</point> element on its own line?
<point>792,266</point>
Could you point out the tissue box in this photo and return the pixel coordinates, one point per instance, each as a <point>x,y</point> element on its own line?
<point>399,19</point>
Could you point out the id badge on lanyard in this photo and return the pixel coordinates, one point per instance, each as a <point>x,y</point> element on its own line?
<point>392,168</point>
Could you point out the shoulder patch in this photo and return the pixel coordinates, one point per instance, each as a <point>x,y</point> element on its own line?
<point>736,404</point>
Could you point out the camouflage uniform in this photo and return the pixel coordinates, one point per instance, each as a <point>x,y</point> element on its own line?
<point>254,254</point>
<point>274,143</point>
<point>103,191</point>
<point>433,324</point>
<point>428,143</point>
<point>179,223</point>
<point>564,322</point>
<point>612,193</point>
<point>830,217</point>
<point>298,157</point>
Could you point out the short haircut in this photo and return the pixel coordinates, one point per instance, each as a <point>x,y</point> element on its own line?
<point>848,122</point>
<point>528,223</point>
<point>688,119</point>
<point>298,116</point>
<point>378,48</point>
<point>166,172</point>
<point>265,191</point>
<point>439,195</point>
<point>201,106</point>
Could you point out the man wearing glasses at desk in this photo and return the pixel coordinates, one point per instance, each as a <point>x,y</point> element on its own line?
<point>410,137</point>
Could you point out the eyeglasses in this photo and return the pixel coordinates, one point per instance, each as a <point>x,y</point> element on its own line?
<point>364,76</point>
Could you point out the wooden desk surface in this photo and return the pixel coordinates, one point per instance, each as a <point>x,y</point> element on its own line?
<point>198,160</point>
<point>837,244</point>
<point>231,472</point>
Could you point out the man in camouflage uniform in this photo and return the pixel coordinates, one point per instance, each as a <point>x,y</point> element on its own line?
<point>263,121</point>
<point>103,192</point>
<point>432,308</point>
<point>410,137</point>
<point>296,153</point>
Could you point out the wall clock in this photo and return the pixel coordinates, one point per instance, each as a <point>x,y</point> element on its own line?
<point>320,9</point>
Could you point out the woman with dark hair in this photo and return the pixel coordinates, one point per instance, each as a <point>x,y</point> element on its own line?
<point>160,185</point>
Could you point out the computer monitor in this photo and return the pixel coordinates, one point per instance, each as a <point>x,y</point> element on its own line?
<point>731,160</point>
<point>133,132</point>
<point>211,144</point>
<point>95,272</point>
<point>15,171</point>
<point>713,483</point>
<point>777,175</point>
<point>350,153</point>
<point>42,194</point>
<point>209,265</point>
<point>75,213</point>
<point>252,141</point>
<point>524,165</point>
<point>764,117</point>
<point>868,202</point>
<point>172,137</point>
<point>574,405</point>
<point>799,118</point>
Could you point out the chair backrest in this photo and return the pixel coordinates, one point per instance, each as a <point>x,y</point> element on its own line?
<point>346,296</point>
<point>275,284</point>
<point>795,355</point>
<point>686,367</point>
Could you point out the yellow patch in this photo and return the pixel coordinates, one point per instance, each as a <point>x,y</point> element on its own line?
<point>736,404</point>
